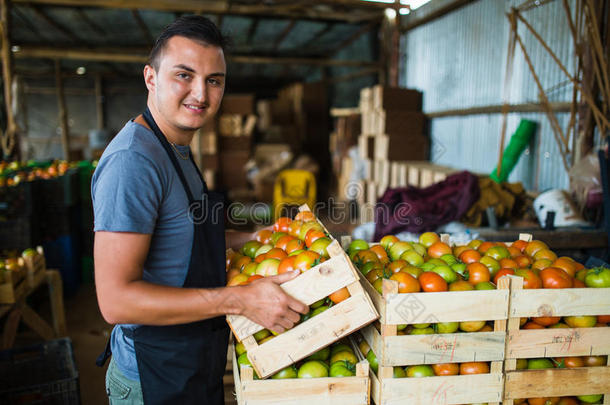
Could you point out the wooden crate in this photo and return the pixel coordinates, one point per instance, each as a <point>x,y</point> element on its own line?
<point>305,391</point>
<point>536,343</point>
<point>366,146</point>
<point>14,284</point>
<point>35,267</point>
<point>316,333</point>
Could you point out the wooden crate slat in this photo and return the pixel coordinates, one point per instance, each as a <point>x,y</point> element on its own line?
<point>443,348</point>
<point>318,332</point>
<point>452,306</point>
<point>309,287</point>
<point>560,302</point>
<point>558,342</point>
<point>459,389</point>
<point>557,382</point>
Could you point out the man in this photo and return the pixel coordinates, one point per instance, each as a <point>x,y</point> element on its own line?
<point>160,240</point>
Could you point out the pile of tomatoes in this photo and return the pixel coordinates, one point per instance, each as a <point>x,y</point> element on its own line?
<point>336,360</point>
<point>298,244</point>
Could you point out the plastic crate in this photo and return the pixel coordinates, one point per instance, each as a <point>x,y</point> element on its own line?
<point>19,200</point>
<point>61,191</point>
<point>42,374</point>
<point>19,233</point>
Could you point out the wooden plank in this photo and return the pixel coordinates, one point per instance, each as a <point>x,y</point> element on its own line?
<point>459,389</point>
<point>309,287</point>
<point>558,342</point>
<point>318,332</point>
<point>62,111</point>
<point>442,348</point>
<point>557,382</point>
<point>560,302</point>
<point>56,294</point>
<point>36,323</point>
<point>450,306</point>
<point>376,298</point>
<point>10,328</point>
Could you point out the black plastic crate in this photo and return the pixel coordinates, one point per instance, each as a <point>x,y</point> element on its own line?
<point>19,233</point>
<point>40,374</point>
<point>62,191</point>
<point>19,200</point>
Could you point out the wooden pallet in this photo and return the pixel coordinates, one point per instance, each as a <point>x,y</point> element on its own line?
<point>523,344</point>
<point>316,333</point>
<point>14,284</point>
<point>319,391</point>
<point>36,266</point>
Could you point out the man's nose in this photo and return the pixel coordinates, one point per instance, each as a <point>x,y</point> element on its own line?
<point>199,90</point>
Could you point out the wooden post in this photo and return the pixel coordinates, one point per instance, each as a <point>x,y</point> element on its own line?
<point>99,101</point>
<point>8,138</point>
<point>63,115</point>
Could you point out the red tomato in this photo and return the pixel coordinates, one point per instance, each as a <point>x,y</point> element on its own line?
<point>477,273</point>
<point>282,224</point>
<point>474,367</point>
<point>313,235</point>
<point>286,265</point>
<point>530,279</point>
<point>553,277</point>
<point>305,260</point>
<point>432,282</point>
<point>503,272</point>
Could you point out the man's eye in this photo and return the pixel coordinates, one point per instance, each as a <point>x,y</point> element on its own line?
<point>184,75</point>
<point>215,82</point>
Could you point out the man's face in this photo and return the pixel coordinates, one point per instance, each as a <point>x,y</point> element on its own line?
<point>188,86</point>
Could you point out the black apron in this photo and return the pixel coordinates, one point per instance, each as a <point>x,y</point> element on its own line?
<point>184,364</point>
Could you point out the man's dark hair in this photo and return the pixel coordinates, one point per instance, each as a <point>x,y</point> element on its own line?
<point>195,27</point>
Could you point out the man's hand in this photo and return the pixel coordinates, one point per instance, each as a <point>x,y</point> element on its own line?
<point>269,306</point>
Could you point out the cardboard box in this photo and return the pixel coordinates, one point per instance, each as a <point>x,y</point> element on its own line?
<point>241,104</point>
<point>400,123</point>
<point>230,143</point>
<point>396,98</point>
<point>401,147</point>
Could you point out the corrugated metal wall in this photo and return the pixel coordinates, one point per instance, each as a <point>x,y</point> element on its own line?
<point>459,61</point>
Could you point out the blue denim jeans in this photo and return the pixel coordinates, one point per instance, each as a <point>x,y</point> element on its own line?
<point>120,389</point>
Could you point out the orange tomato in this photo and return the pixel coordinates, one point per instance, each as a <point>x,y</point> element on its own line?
<point>546,320</point>
<point>381,253</point>
<point>565,264</point>
<point>474,367</point>
<point>508,264</point>
<point>254,277</point>
<point>432,282</point>
<point>339,295</point>
<point>579,284</point>
<point>514,252</point>
<point>545,254</point>
<point>232,258</point>
<point>446,369</point>
<point>305,260</point>
<point>294,245</point>
<point>406,282</point>
<point>295,228</point>
<point>523,261</point>
<point>553,277</point>
<point>282,224</point>
<point>484,247</point>
<point>396,265</point>
<point>305,216</point>
<point>241,262</point>
<point>276,253</point>
<point>286,265</point>
<point>458,250</point>
<point>603,318</point>
<point>503,272</point>
<point>283,241</point>
<point>232,273</point>
<point>260,258</point>
<point>438,249</point>
<point>470,256</point>
<point>541,264</point>
<point>313,235</point>
<point>264,236</point>
<point>534,246</point>
<point>570,362</point>
<point>477,273</point>
<point>532,325</point>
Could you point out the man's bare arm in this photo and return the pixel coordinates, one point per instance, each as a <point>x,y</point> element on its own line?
<point>125,298</point>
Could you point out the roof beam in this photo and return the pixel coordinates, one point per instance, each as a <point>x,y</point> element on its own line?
<point>132,56</point>
<point>280,38</point>
<point>252,30</point>
<point>363,30</point>
<point>57,26</point>
<point>143,28</point>
<point>27,22</point>
<point>301,10</point>
<point>92,24</point>
<point>430,11</point>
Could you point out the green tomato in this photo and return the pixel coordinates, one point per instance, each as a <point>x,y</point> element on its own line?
<point>446,327</point>
<point>598,277</point>
<point>339,347</point>
<point>288,372</point>
<point>342,368</point>
<point>372,359</point>
<point>240,348</point>
<point>590,399</point>
<point>318,310</point>
<point>421,325</point>
<point>357,245</point>
<point>425,331</point>
<point>317,304</point>
<point>446,273</point>
<point>243,360</point>
<point>313,369</point>
<point>322,355</point>
<point>399,372</point>
<point>539,364</point>
<point>485,285</point>
<point>449,259</point>
<point>420,371</point>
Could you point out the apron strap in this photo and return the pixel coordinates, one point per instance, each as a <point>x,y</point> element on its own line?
<point>164,142</point>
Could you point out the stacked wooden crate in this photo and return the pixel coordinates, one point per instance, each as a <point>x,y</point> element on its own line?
<point>393,130</point>
<point>344,137</point>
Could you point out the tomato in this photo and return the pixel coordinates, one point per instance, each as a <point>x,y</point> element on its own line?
<point>232,258</point>
<point>320,246</point>
<point>485,246</point>
<point>342,369</point>
<point>254,277</point>
<point>282,242</point>
<point>534,246</point>
<point>491,263</point>
<point>387,241</point>
<point>406,282</point>
<point>339,295</point>
<point>555,278</point>
<point>461,285</point>
<point>569,362</point>
<point>398,372</point>
<point>603,318</point>
<point>508,264</point>
<point>250,268</point>
<point>243,360</point>
<point>568,401</point>
<point>381,253</point>
<point>412,257</point>
<point>498,252</point>
<point>397,249</point>
<point>357,245</point>
<point>232,273</point>
<point>305,216</point>
<point>268,267</point>
<point>598,277</point>
<point>474,367</point>
<point>420,371</point>
<point>446,273</point>
<point>449,259</point>
<point>306,260</point>
<point>539,364</point>
<point>458,250</point>
<point>250,247</point>
<point>372,359</point>
<point>308,226</point>
<point>545,254</point>
<point>546,320</point>
<point>446,327</point>
<point>521,364</point>
<point>313,235</point>
<point>294,245</point>
<point>477,273</point>
<point>395,266</point>
<point>595,361</point>
<point>532,325</point>
<point>470,256</point>
<point>282,224</point>
<point>538,401</point>
<point>264,236</point>
<point>288,372</point>
<point>523,261</point>
<point>578,284</point>
<point>566,264</point>
<point>439,249</point>
<point>432,282</point>
<point>364,256</point>
<point>294,228</point>
<point>446,369</point>
<point>471,326</point>
<point>485,285</point>
<point>590,399</point>
<point>412,270</point>
<point>503,272</point>
<point>428,239</point>
<point>580,321</point>
<point>312,369</point>
<point>519,244</point>
<point>530,279</point>
<point>286,265</point>
<point>277,236</point>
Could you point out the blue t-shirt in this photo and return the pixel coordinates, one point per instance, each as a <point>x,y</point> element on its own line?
<point>135,188</point>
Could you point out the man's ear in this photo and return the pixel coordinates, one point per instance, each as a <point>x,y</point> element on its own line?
<point>150,78</point>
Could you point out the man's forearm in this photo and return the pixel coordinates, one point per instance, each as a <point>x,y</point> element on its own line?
<point>140,302</point>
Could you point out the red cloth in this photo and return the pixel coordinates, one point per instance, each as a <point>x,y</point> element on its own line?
<point>419,210</point>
